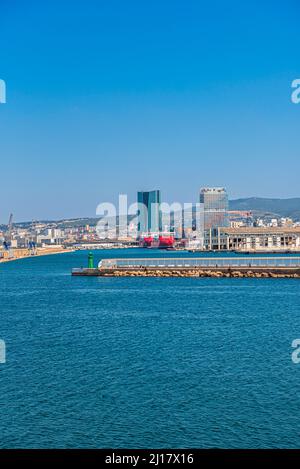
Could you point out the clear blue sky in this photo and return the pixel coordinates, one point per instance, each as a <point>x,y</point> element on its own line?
<point>114,96</point>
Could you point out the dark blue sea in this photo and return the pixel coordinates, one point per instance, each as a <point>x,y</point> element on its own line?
<point>146,362</point>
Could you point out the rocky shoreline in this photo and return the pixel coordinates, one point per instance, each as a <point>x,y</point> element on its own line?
<point>197,273</point>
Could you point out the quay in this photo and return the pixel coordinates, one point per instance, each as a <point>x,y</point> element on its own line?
<point>260,267</point>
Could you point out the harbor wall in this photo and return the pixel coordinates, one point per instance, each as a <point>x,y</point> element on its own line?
<point>241,271</point>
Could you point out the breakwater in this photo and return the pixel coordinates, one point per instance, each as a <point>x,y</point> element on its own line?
<point>216,273</point>
<point>267,272</point>
<point>258,267</point>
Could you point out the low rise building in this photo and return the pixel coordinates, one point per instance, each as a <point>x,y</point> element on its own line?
<point>253,239</point>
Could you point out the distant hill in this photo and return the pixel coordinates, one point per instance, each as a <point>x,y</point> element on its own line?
<point>268,207</point>
<point>257,205</point>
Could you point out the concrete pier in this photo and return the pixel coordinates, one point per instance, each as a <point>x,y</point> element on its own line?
<point>256,267</point>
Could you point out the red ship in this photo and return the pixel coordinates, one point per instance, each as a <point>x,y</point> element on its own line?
<point>160,242</point>
<point>147,241</point>
<point>166,242</point>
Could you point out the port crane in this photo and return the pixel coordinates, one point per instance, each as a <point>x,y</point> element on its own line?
<point>31,242</point>
<point>7,241</point>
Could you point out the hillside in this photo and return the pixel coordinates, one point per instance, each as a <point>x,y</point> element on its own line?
<point>273,207</point>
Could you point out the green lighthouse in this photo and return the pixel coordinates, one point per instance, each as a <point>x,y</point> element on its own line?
<point>91,260</point>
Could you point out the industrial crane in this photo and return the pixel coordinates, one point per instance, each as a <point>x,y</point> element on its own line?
<point>7,241</point>
<point>31,242</point>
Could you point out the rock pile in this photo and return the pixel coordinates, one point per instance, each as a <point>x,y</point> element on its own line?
<point>196,273</point>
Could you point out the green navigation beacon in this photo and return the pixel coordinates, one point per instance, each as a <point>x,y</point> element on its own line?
<point>91,260</point>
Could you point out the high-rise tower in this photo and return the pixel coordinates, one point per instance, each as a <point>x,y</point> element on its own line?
<point>149,219</point>
<point>215,206</point>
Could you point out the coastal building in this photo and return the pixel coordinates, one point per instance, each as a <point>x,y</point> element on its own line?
<point>214,201</point>
<point>256,239</point>
<point>149,218</point>
<point>50,236</point>
<point>215,206</point>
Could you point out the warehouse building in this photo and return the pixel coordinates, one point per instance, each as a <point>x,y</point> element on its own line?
<point>253,239</point>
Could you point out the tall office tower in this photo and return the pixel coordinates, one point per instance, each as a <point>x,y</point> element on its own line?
<point>215,205</point>
<point>149,219</point>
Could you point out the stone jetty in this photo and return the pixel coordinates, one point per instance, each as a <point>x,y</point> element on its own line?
<point>196,272</point>
<point>215,267</point>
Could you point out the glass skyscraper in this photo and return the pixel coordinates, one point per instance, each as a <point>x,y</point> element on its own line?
<point>149,219</point>
<point>215,205</point>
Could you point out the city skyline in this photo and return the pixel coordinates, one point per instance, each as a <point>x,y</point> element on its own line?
<point>4,221</point>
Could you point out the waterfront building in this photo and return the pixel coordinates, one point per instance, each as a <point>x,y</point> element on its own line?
<point>253,239</point>
<point>149,218</point>
<point>215,206</point>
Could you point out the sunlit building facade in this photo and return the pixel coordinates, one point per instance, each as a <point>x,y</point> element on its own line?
<point>215,205</point>
<point>254,239</point>
<point>149,218</point>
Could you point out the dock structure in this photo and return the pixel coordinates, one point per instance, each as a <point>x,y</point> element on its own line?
<point>245,266</point>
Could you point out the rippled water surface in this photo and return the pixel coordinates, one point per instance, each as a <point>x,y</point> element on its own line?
<point>146,362</point>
